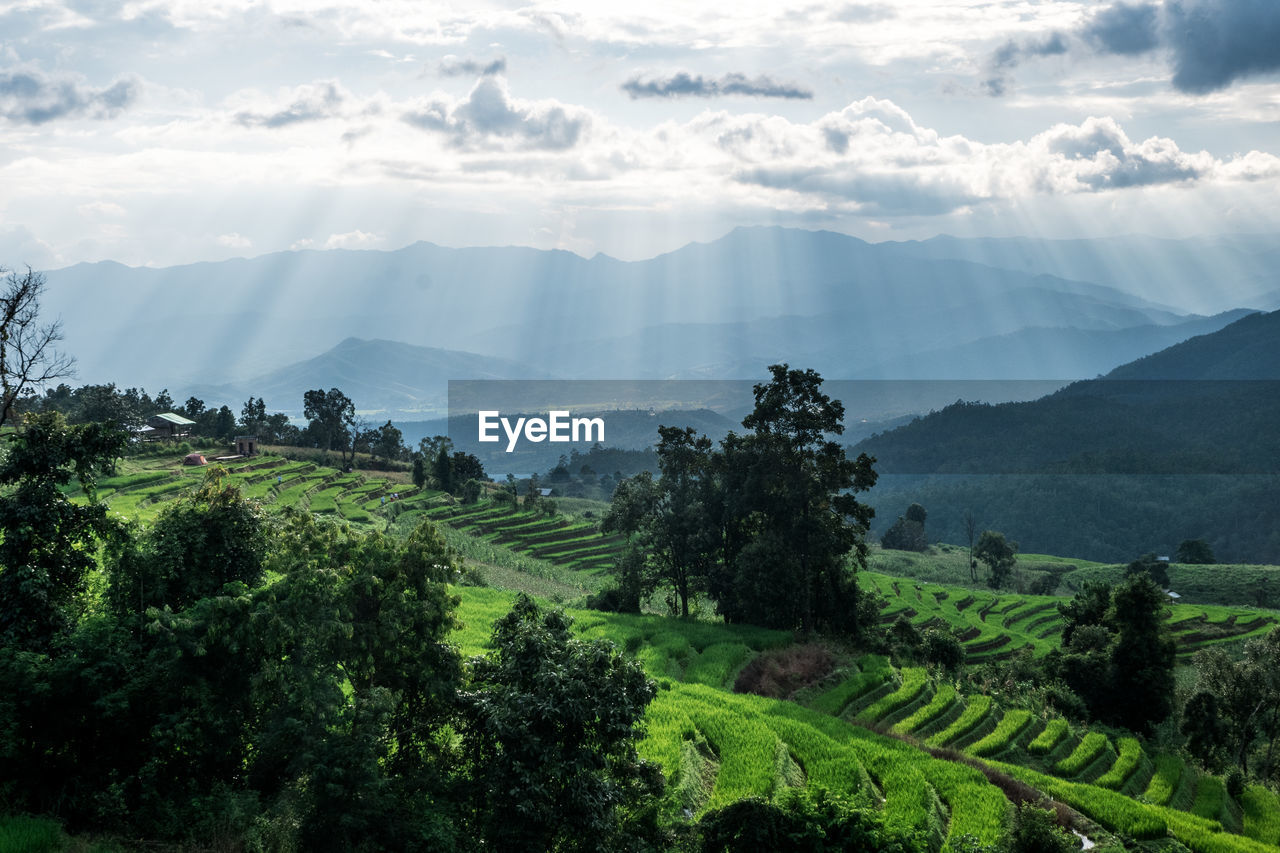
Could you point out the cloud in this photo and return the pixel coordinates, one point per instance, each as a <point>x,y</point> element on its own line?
<point>490,115</point>
<point>1124,29</point>
<point>313,102</point>
<point>234,241</point>
<point>101,208</point>
<point>1209,44</point>
<point>453,66</point>
<point>873,157</point>
<point>683,85</point>
<point>29,96</point>
<point>864,13</point>
<point>1216,42</point>
<point>350,240</point>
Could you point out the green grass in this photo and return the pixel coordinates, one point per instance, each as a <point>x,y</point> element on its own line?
<point>914,680</point>
<point>22,834</point>
<point>1211,798</point>
<point>1054,731</point>
<point>1131,756</point>
<point>977,708</point>
<point>943,698</point>
<point>1261,809</point>
<point>1164,782</point>
<point>1009,727</point>
<point>1086,752</point>
<point>873,670</point>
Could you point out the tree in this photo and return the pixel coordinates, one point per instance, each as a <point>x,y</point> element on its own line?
<point>253,417</point>
<point>28,359</point>
<point>792,529</point>
<point>1158,569</point>
<point>1195,552</point>
<point>196,546</point>
<point>419,473</point>
<point>906,534</point>
<point>550,727</point>
<point>999,556</point>
<point>332,420</point>
<point>442,470</point>
<point>388,443</point>
<point>970,530</point>
<point>466,466</point>
<point>1143,657</point>
<point>48,543</point>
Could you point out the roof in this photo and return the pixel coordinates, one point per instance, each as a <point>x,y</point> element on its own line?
<point>174,418</point>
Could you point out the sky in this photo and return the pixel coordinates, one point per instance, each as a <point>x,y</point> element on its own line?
<point>160,132</point>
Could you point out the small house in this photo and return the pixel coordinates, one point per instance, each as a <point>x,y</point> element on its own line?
<point>247,445</point>
<point>170,425</point>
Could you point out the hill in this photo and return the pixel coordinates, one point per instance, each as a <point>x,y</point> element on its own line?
<point>1111,468</point>
<point>383,376</point>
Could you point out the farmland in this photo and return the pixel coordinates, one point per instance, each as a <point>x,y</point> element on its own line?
<point>937,761</point>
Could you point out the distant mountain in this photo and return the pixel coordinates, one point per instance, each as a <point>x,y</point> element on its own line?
<point>391,377</point>
<point>707,309</point>
<point>1205,275</point>
<point>1179,444</point>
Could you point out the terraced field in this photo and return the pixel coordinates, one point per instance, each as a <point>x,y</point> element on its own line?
<point>716,746</point>
<point>993,625</point>
<point>572,544</point>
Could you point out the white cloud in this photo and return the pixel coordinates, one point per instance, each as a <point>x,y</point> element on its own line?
<point>351,240</point>
<point>490,117</point>
<point>234,241</point>
<point>101,209</point>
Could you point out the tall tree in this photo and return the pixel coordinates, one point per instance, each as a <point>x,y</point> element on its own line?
<point>332,421</point>
<point>1000,556</point>
<point>790,517</point>
<point>28,358</point>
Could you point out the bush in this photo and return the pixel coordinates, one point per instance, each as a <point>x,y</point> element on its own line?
<point>614,600</point>
<point>803,822</point>
<point>1035,831</point>
<point>1235,783</point>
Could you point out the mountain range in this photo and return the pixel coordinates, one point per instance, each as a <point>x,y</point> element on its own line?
<point>275,325</point>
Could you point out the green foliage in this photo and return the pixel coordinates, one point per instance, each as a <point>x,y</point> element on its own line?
<point>914,680</point>
<point>999,556</point>
<point>48,542</point>
<point>23,834</point>
<point>1156,568</point>
<point>801,822</point>
<point>550,728</point>
<point>1035,831</point>
<point>905,535</point>
<point>873,670</point>
<point>197,545</point>
<point>943,698</point>
<point>1196,552</point>
<point>1169,770</point>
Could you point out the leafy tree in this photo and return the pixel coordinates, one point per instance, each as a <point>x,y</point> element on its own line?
<point>905,535</point>
<point>1236,706</point>
<point>550,727</point>
<point>197,545</point>
<point>419,473</point>
<point>466,466</point>
<point>388,442</point>
<point>442,470</point>
<point>1089,606</point>
<point>1035,830</point>
<point>791,525</point>
<point>1195,552</point>
<point>1143,657</point>
<point>1158,569</point>
<point>801,821</point>
<point>28,359</point>
<point>331,420</point>
<point>999,556</point>
<point>253,416</point>
<point>48,542</point>
<point>917,513</point>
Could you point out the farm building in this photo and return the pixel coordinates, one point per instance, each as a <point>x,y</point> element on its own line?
<point>169,425</point>
<point>246,445</point>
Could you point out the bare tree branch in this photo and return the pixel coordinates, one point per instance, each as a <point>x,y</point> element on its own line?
<point>28,359</point>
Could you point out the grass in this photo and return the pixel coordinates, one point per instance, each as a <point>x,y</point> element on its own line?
<point>1086,752</point>
<point>943,698</point>
<point>1009,727</point>
<point>1054,731</point>
<point>873,670</point>
<point>977,708</point>
<point>1131,756</point>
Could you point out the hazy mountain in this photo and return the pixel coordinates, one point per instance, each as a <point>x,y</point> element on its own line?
<point>1247,349</point>
<point>1204,274</point>
<point>753,296</point>
<point>378,375</point>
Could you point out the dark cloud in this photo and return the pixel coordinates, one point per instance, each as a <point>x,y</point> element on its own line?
<point>489,113</point>
<point>455,66</point>
<point>685,85</point>
<point>28,96</point>
<point>1209,43</point>
<point>312,103</point>
<point>1124,29</point>
<point>1216,42</point>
